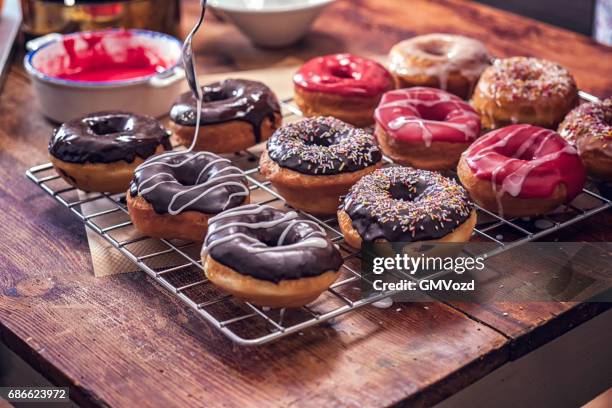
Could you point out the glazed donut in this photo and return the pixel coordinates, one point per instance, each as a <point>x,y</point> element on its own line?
<point>173,195</point>
<point>315,161</point>
<point>425,128</point>
<point>401,204</point>
<point>99,151</point>
<point>236,114</point>
<point>449,62</point>
<point>343,86</point>
<point>269,257</point>
<point>521,170</point>
<point>524,90</point>
<point>589,128</point>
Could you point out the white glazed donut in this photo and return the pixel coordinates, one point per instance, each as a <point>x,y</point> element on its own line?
<point>446,61</point>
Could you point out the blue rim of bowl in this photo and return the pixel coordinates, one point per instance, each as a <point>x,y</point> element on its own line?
<point>47,78</point>
<point>272,10</point>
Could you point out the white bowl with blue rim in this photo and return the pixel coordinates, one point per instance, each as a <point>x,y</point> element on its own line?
<point>61,99</point>
<point>271,23</point>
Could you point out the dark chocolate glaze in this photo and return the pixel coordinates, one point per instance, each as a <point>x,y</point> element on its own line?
<point>402,204</point>
<point>230,99</point>
<point>256,252</point>
<point>107,137</point>
<point>323,145</point>
<point>167,182</point>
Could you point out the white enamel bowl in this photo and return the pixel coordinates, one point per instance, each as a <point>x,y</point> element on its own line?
<point>271,23</point>
<point>62,99</point>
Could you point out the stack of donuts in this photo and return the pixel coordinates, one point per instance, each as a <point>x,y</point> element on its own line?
<point>443,104</point>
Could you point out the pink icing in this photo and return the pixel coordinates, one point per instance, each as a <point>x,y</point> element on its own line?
<point>344,74</point>
<point>527,161</point>
<point>426,115</point>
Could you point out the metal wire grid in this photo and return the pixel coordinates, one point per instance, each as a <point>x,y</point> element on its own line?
<point>176,265</point>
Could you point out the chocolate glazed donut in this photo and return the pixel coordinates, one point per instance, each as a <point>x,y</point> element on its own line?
<point>100,151</point>
<point>174,194</point>
<point>401,204</point>
<point>236,114</point>
<point>315,161</point>
<point>269,257</point>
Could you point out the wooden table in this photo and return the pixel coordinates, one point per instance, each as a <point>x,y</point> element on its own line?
<point>123,341</point>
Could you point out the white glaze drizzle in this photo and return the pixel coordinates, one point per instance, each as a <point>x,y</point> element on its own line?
<point>463,55</point>
<point>513,182</point>
<point>212,183</point>
<point>252,209</point>
<point>412,100</point>
<point>238,174</point>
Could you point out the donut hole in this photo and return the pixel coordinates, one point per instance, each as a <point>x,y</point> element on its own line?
<point>437,48</point>
<point>324,137</point>
<point>215,95</point>
<point>189,179</point>
<point>110,125</point>
<point>435,114</point>
<point>401,192</point>
<point>526,73</point>
<point>342,71</point>
<point>516,151</point>
<point>191,173</point>
<point>271,236</point>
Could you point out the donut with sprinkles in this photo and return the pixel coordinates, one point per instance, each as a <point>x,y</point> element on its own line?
<point>402,204</point>
<point>315,161</point>
<point>524,90</point>
<point>589,128</point>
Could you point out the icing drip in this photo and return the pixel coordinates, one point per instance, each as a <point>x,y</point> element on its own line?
<point>228,100</point>
<point>428,115</point>
<point>270,244</point>
<point>526,161</point>
<point>444,54</point>
<point>175,182</point>
<point>167,181</point>
<point>107,137</point>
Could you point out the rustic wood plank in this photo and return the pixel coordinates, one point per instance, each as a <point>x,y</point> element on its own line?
<point>122,340</point>
<point>531,324</point>
<point>373,26</point>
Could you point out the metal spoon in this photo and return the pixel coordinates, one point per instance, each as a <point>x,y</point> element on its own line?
<point>189,59</point>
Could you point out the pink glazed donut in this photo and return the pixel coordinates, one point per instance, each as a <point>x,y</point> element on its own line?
<point>425,128</point>
<point>521,170</point>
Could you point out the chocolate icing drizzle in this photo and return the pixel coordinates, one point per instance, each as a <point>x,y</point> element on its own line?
<point>270,244</point>
<point>322,146</point>
<point>402,204</point>
<point>107,137</point>
<point>175,182</point>
<point>230,99</point>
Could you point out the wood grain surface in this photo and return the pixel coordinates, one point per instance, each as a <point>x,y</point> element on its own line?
<point>123,341</point>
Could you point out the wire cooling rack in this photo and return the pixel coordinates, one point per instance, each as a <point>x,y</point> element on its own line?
<point>176,265</point>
